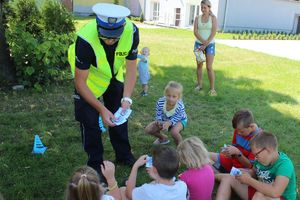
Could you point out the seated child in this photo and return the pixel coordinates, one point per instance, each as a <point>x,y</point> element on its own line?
<point>199,177</point>
<point>238,154</point>
<point>163,170</point>
<point>84,184</point>
<point>170,115</point>
<point>272,175</point>
<point>143,67</point>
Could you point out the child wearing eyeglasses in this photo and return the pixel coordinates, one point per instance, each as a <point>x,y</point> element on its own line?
<point>238,153</point>
<point>272,176</point>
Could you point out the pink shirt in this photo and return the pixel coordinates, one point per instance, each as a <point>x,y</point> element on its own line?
<point>200,182</point>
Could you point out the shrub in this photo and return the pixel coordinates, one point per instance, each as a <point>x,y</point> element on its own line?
<point>142,18</point>
<point>26,13</point>
<point>56,18</point>
<point>39,53</point>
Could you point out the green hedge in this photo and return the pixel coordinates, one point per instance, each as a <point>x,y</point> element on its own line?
<point>38,40</point>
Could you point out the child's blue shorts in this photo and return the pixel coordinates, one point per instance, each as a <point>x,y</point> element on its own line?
<point>184,123</point>
<point>210,49</point>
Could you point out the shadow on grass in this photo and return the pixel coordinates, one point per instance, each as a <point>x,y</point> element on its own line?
<point>210,117</point>
<point>50,114</point>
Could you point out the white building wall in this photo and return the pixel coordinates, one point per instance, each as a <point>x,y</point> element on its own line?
<point>273,15</point>
<point>167,9</point>
<point>134,6</point>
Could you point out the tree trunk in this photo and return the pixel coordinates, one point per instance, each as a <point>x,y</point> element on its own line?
<point>7,70</point>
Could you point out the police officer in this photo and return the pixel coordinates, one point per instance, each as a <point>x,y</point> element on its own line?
<point>101,49</point>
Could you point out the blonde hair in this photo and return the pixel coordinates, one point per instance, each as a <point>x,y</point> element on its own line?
<point>208,3</point>
<point>84,185</point>
<point>192,153</point>
<point>145,49</point>
<point>175,86</point>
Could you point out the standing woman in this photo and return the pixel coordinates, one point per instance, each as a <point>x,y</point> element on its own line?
<point>205,28</point>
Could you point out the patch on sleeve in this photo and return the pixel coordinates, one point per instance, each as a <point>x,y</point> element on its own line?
<point>134,50</point>
<point>77,59</point>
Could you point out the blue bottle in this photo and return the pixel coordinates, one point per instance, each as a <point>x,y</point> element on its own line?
<point>101,125</point>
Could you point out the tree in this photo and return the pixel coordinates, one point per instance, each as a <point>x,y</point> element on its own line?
<point>7,71</point>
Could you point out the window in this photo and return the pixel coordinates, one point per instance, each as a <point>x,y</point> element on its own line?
<point>155,11</point>
<point>177,16</point>
<point>192,13</point>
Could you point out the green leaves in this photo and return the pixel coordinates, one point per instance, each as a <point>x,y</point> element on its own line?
<point>29,70</point>
<point>38,40</point>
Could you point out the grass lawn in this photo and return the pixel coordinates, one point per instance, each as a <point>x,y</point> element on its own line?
<point>268,85</point>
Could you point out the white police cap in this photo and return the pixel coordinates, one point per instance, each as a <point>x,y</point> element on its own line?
<point>110,19</point>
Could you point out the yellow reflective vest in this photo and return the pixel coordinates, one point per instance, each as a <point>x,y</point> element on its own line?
<point>99,76</point>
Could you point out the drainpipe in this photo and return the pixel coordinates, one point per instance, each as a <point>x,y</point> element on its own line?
<point>144,10</point>
<point>225,15</point>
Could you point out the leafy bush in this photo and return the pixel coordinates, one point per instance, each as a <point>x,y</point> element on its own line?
<point>265,35</point>
<point>26,13</point>
<point>39,53</point>
<point>142,17</point>
<point>56,18</point>
<point>134,18</point>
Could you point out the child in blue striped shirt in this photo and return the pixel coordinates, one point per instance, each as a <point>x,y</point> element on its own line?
<point>170,115</point>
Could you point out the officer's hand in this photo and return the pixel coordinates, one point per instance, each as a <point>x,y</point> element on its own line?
<point>108,118</point>
<point>125,105</point>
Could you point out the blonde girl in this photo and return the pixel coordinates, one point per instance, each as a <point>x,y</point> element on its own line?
<point>85,185</point>
<point>170,115</point>
<point>205,28</point>
<point>199,175</point>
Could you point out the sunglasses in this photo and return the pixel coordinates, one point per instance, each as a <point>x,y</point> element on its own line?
<point>108,38</point>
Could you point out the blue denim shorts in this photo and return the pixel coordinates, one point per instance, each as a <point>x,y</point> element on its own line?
<point>210,49</point>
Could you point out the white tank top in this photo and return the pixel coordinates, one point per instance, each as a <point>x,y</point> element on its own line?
<point>204,29</point>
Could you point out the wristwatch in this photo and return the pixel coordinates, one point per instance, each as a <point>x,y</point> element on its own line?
<point>129,100</point>
<point>239,155</point>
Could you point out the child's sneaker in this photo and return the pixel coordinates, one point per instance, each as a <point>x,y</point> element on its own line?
<point>158,141</point>
<point>212,93</point>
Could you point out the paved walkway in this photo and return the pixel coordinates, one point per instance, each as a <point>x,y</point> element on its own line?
<point>283,48</point>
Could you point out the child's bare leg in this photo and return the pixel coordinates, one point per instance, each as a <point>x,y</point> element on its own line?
<point>154,129</point>
<point>175,132</point>
<point>213,156</point>
<point>260,196</point>
<point>226,183</point>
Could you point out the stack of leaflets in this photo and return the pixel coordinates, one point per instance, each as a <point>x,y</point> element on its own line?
<point>122,116</point>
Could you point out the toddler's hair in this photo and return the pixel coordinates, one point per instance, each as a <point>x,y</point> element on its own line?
<point>192,153</point>
<point>147,50</point>
<point>173,85</point>
<point>84,185</point>
<point>264,140</point>
<point>243,118</point>
<point>165,160</point>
